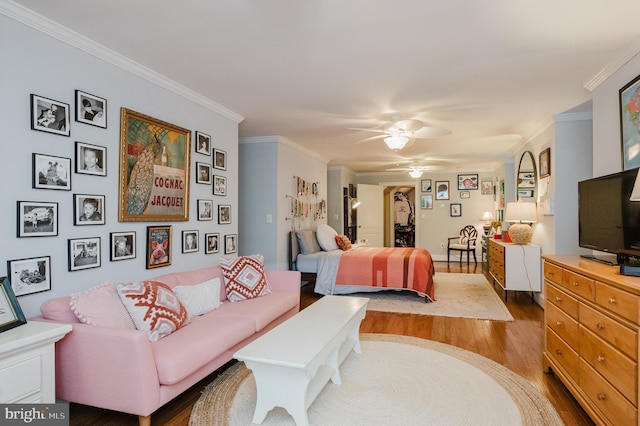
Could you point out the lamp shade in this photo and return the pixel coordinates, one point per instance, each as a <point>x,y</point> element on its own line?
<point>521,212</point>
<point>415,173</point>
<point>486,217</point>
<point>635,194</point>
<point>396,142</point>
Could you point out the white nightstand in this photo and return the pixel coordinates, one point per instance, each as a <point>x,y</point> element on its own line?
<point>27,362</point>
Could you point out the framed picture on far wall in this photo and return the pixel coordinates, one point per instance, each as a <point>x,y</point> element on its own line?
<point>28,276</point>
<point>219,185</point>
<point>203,143</point>
<point>91,159</point>
<point>190,241</point>
<point>84,253</point>
<point>426,201</point>
<point>123,245</point>
<point>545,163</point>
<point>49,116</point>
<point>230,244</point>
<point>212,243</point>
<point>203,175</point>
<point>455,210</point>
<point>205,209</point>
<point>219,159</point>
<point>37,219</point>
<point>88,209</point>
<point>468,181</point>
<point>51,172</point>
<point>224,214</point>
<point>91,109</point>
<point>425,185</point>
<point>442,190</point>
<point>158,246</point>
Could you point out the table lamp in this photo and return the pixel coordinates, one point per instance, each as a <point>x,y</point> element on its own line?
<point>522,215</point>
<point>487,217</point>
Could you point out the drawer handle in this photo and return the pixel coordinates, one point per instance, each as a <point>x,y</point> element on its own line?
<point>601,396</point>
<point>600,358</point>
<point>612,300</point>
<point>559,323</point>
<point>558,299</point>
<point>558,351</point>
<point>575,283</point>
<point>600,326</point>
<point>551,273</point>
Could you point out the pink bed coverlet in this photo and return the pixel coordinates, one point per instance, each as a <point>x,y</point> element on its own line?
<point>388,267</point>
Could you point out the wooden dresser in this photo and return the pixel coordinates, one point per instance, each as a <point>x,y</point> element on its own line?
<point>591,335</point>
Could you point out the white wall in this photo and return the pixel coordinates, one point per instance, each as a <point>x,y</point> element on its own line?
<point>33,62</point>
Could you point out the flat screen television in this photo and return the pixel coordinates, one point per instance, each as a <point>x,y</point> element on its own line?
<point>607,220</point>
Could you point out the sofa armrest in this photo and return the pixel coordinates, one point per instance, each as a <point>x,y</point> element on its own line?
<point>281,280</point>
<point>107,367</point>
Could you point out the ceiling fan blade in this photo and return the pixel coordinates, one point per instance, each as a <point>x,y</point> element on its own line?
<point>369,139</point>
<point>409,125</point>
<point>428,132</point>
<point>369,130</point>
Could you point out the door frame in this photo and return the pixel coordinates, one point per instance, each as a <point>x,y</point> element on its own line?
<point>389,217</point>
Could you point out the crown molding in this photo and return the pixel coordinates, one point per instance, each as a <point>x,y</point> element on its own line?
<point>64,34</point>
<point>284,141</point>
<point>625,56</point>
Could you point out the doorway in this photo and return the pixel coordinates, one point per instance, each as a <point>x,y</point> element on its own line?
<point>400,216</point>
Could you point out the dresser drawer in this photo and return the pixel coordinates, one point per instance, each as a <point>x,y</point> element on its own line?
<point>618,301</point>
<point>21,379</point>
<point>562,300</point>
<point>553,273</point>
<point>565,326</point>
<point>618,369</point>
<point>562,354</point>
<point>610,330</point>
<point>580,285</point>
<point>609,401</point>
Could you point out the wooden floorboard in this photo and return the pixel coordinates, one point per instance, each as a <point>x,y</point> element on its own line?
<point>517,345</point>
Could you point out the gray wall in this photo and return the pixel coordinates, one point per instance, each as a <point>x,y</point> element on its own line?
<point>33,62</point>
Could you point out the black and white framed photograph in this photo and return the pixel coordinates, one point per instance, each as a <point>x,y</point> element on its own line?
<point>91,109</point>
<point>230,243</point>
<point>219,185</point>
<point>212,243</point>
<point>442,190</point>
<point>224,214</point>
<point>203,173</point>
<point>219,159</point>
<point>88,209</point>
<point>468,181</point>
<point>37,219</point>
<point>91,159</point>
<point>51,172</point>
<point>203,143</point>
<point>28,276</point>
<point>11,315</point>
<point>123,245</point>
<point>425,185</point>
<point>455,210</point>
<point>205,209</point>
<point>190,241</point>
<point>49,116</point>
<point>465,194</point>
<point>84,253</point>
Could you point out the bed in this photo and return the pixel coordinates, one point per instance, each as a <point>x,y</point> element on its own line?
<point>361,268</point>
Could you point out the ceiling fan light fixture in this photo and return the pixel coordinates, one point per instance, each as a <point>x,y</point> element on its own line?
<point>396,142</point>
<point>416,174</point>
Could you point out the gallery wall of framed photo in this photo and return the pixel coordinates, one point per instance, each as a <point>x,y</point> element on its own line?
<point>72,224</point>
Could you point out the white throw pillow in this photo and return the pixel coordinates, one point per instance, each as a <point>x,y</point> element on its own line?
<point>199,298</point>
<point>326,236</point>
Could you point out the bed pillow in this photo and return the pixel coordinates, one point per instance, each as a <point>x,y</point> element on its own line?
<point>244,277</point>
<point>153,307</point>
<point>326,236</point>
<point>201,298</point>
<point>307,241</point>
<point>101,306</point>
<point>343,242</point>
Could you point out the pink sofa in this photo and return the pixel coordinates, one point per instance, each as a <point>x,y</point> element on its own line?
<point>121,370</point>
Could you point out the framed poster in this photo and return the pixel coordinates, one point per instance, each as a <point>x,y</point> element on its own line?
<point>28,276</point>
<point>154,169</point>
<point>11,315</point>
<point>629,124</point>
<point>158,246</point>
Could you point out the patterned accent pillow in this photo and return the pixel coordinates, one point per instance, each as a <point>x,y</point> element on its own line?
<point>101,306</point>
<point>343,242</point>
<point>244,277</point>
<point>154,308</point>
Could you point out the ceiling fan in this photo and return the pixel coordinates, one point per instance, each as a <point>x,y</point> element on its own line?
<point>399,132</point>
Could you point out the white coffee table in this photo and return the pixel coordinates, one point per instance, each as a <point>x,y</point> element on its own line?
<point>293,362</point>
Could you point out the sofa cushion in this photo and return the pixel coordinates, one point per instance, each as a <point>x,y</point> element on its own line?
<point>154,308</point>
<point>201,298</point>
<point>59,310</point>
<point>192,347</point>
<point>326,236</point>
<point>244,277</point>
<point>101,305</point>
<point>262,310</point>
<point>307,241</point>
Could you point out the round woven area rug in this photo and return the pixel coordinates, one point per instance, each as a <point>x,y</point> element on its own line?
<point>395,380</point>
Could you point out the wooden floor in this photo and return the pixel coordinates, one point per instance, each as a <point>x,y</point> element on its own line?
<point>517,345</point>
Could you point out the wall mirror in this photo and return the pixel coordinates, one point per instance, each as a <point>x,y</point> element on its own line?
<point>527,182</point>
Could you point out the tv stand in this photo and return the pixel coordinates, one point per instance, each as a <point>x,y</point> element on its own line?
<point>599,259</point>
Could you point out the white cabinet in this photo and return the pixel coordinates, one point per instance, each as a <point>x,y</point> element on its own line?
<point>515,267</point>
<point>27,362</point>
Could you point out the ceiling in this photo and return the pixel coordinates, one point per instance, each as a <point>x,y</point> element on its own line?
<point>493,72</point>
